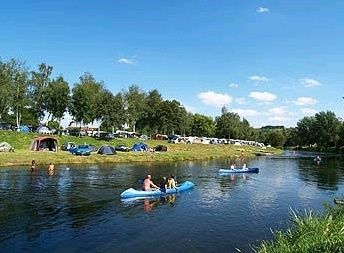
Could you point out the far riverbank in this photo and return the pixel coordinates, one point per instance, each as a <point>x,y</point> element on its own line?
<point>176,152</point>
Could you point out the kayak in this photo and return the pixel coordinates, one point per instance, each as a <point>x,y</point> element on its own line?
<point>132,193</point>
<point>247,170</point>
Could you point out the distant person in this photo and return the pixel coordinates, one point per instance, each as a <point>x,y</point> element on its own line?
<point>317,159</point>
<point>171,182</point>
<point>233,166</point>
<point>148,184</point>
<point>51,168</point>
<point>244,167</point>
<point>33,165</point>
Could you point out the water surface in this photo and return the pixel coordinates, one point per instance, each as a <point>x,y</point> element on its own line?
<point>78,209</point>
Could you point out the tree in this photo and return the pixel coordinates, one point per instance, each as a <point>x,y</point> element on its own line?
<point>57,98</point>
<point>228,125</point>
<point>112,111</point>
<point>5,89</point>
<point>38,87</point>
<point>202,126</point>
<point>85,100</point>
<point>306,131</point>
<point>327,129</point>
<point>19,89</point>
<point>150,117</point>
<point>276,138</point>
<point>135,105</point>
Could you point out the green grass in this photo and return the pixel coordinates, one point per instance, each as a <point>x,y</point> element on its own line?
<point>176,152</point>
<point>310,233</point>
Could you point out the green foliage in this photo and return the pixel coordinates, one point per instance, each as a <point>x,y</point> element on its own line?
<point>86,98</point>
<point>39,83</point>
<point>310,233</point>
<point>135,99</point>
<point>57,98</point>
<point>202,126</point>
<point>276,138</point>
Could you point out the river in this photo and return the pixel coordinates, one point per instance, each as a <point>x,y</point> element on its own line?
<point>78,209</point>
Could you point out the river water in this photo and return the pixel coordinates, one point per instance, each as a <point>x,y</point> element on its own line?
<point>78,209</point>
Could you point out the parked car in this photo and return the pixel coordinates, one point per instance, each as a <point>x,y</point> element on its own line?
<point>67,146</point>
<point>122,148</point>
<point>83,150</point>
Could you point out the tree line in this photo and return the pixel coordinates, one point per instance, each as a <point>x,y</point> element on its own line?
<point>29,96</point>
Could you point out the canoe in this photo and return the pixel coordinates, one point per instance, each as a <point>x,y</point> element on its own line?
<point>132,193</point>
<point>339,201</point>
<point>247,170</point>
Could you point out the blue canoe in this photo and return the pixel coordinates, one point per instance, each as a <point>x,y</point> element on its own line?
<point>247,170</point>
<point>132,193</point>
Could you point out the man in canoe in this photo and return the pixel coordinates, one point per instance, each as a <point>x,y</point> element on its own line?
<point>171,182</point>
<point>148,184</point>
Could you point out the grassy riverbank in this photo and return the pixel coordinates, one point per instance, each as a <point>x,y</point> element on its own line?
<point>176,152</point>
<point>310,233</point>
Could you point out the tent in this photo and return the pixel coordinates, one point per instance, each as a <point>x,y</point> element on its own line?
<point>160,148</point>
<point>44,144</point>
<point>139,147</point>
<point>5,147</point>
<point>24,129</point>
<point>106,150</point>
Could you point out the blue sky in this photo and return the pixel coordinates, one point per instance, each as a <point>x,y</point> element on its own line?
<point>273,62</point>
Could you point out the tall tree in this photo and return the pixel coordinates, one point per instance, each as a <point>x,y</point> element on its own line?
<point>150,118</point>
<point>202,126</point>
<point>85,100</point>
<point>327,129</point>
<point>38,86</point>
<point>228,125</point>
<point>57,98</point>
<point>112,111</point>
<point>306,131</point>
<point>135,105</point>
<point>5,89</point>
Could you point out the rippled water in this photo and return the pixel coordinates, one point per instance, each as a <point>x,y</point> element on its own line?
<point>78,209</point>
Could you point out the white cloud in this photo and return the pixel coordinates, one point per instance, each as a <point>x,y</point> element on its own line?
<point>126,61</point>
<point>277,111</point>
<point>214,99</point>
<point>190,108</point>
<point>240,101</point>
<point>263,10</point>
<point>263,96</point>
<point>302,101</point>
<point>246,112</point>
<point>260,79</point>
<point>308,111</point>
<point>278,119</point>
<point>309,82</point>
<point>233,85</point>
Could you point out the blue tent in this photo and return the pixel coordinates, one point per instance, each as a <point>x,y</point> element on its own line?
<point>139,147</point>
<point>24,129</point>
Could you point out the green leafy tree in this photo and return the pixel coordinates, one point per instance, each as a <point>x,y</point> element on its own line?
<point>57,98</point>
<point>39,82</point>
<point>112,111</point>
<point>150,118</point>
<point>5,89</point>
<point>228,125</point>
<point>327,129</point>
<point>135,105</point>
<point>276,138</point>
<point>202,126</point>
<point>85,100</point>
<point>306,132</point>
<point>172,117</point>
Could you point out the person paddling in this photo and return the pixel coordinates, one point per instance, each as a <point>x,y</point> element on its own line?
<point>171,182</point>
<point>148,184</point>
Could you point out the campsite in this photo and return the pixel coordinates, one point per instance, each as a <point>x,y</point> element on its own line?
<point>48,148</point>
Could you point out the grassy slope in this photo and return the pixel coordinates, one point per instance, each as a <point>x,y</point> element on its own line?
<point>310,233</point>
<point>176,152</point>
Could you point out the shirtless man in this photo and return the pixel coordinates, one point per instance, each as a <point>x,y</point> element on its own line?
<point>148,184</point>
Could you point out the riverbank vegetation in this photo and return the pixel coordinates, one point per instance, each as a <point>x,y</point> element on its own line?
<point>176,152</point>
<point>310,233</point>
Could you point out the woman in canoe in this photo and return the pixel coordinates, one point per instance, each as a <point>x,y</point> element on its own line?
<point>171,182</point>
